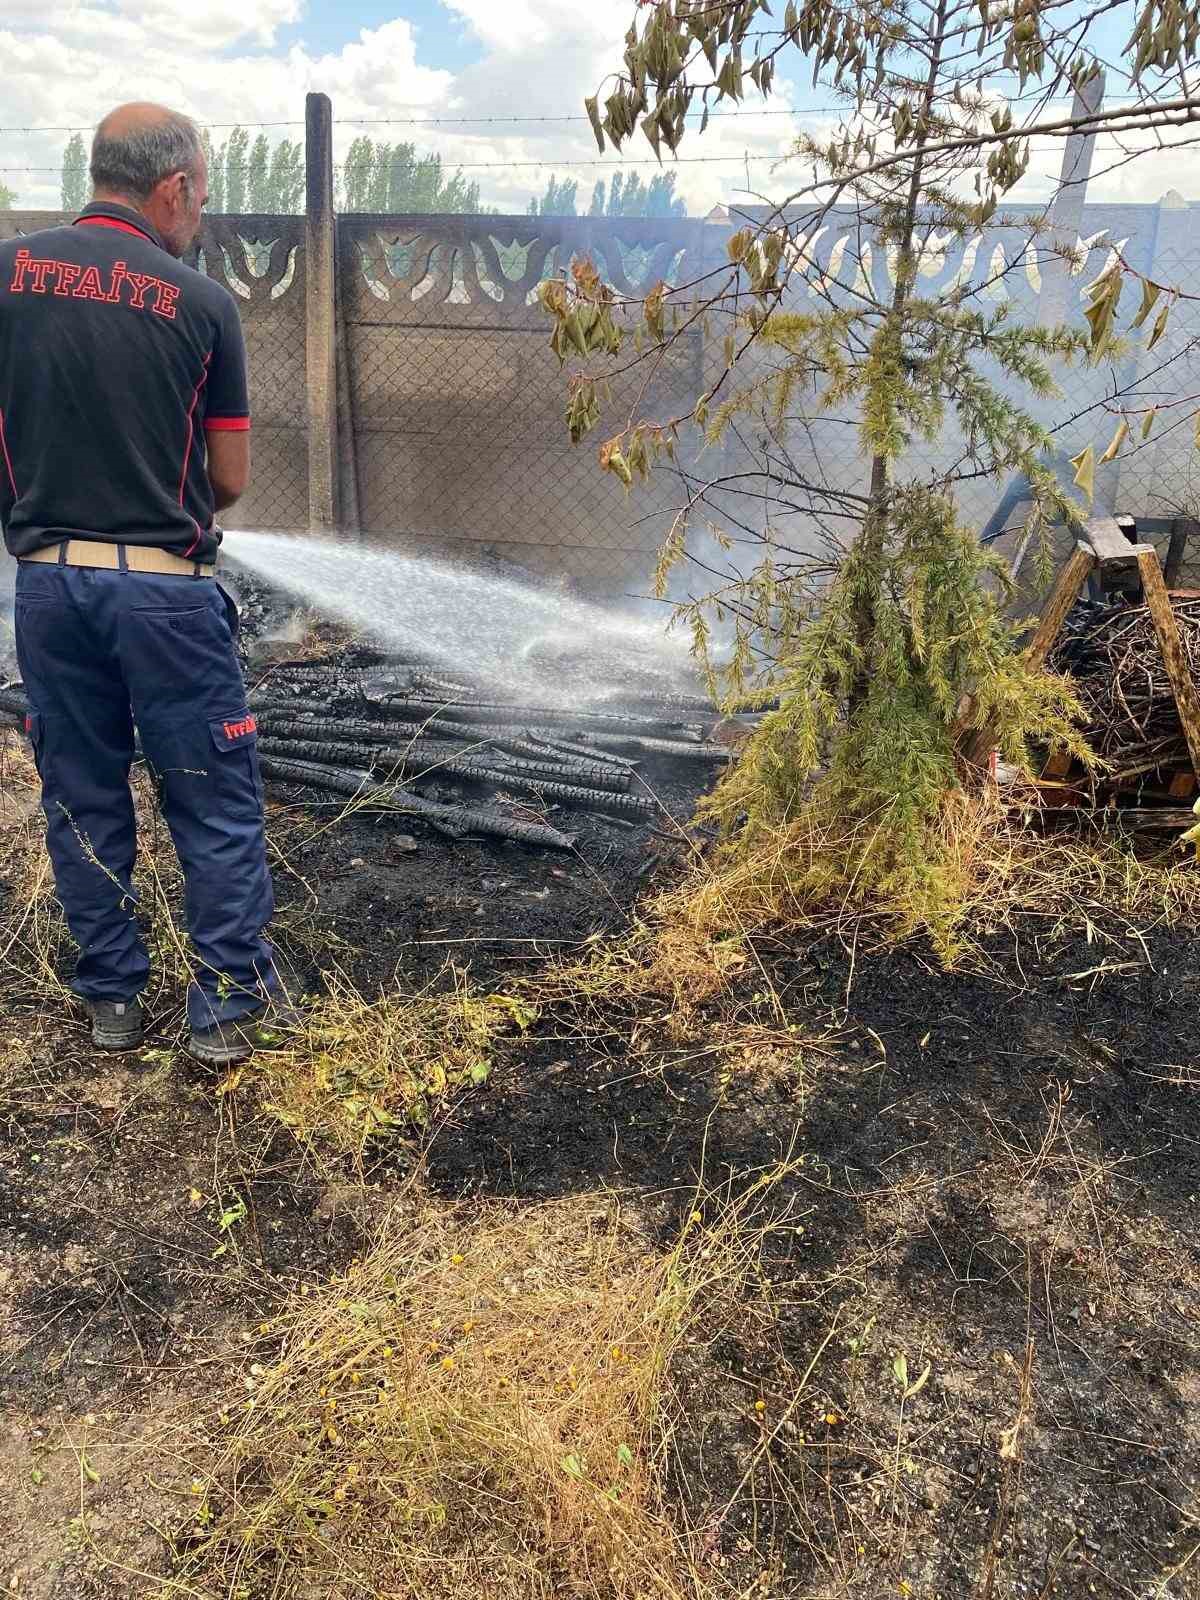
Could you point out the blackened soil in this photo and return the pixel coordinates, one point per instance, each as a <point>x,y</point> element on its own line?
<point>992,1194</point>
<point>997,1167</point>
<point>385,897</point>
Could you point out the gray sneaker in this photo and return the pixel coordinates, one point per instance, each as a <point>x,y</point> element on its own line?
<point>116,1024</point>
<point>228,1043</point>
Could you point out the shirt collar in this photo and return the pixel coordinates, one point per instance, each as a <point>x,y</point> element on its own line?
<point>107,213</point>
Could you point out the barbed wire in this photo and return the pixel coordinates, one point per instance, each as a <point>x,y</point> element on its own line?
<point>423,122</point>
<point>563,162</point>
<point>491,121</point>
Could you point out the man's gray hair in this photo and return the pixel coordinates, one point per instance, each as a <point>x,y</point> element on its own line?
<point>135,164</point>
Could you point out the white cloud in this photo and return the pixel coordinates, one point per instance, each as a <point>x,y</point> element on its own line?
<point>222,62</point>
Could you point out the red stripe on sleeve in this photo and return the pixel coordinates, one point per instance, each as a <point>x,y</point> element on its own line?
<point>227,424</point>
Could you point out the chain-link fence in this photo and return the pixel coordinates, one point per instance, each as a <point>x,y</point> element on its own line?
<point>457,403</point>
<point>1021,270</point>
<point>261,259</point>
<point>451,433</point>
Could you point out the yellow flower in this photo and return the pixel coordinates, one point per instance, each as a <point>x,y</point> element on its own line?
<point>457,1260</point>
<point>447,1363</point>
<point>760,1405</point>
<point>832,1418</point>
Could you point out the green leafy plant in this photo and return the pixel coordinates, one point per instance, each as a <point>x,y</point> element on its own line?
<point>866,610</point>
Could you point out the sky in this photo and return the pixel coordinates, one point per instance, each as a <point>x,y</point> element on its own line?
<point>386,64</point>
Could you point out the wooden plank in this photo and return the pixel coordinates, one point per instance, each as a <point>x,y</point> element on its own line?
<point>1109,544</point>
<point>1066,591</point>
<point>977,748</point>
<point>1143,819</point>
<point>1182,529</point>
<point>1179,671</point>
<point>1057,766</point>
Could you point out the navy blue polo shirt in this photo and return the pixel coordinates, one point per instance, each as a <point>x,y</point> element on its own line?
<point>116,362</point>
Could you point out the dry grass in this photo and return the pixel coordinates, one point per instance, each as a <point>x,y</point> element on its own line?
<point>34,942</point>
<point>482,1406</point>
<point>361,1067</point>
<point>1003,867</point>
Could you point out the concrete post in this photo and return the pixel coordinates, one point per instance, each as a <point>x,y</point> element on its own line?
<point>1156,469</point>
<point>321,315</point>
<point>1066,209</point>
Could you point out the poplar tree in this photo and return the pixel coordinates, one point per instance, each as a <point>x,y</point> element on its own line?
<point>75,184</point>
<point>258,175</point>
<point>214,159</point>
<point>885,644</point>
<point>236,171</point>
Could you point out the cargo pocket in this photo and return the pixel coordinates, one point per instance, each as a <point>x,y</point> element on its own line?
<point>237,778</point>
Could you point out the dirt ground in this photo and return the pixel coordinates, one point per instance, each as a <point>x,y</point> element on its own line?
<point>973,1364</point>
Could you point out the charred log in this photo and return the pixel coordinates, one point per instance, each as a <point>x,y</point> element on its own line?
<point>454,820</point>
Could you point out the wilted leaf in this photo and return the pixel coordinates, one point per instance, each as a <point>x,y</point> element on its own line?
<point>921,1381</point>
<point>1150,293</point>
<point>1102,310</point>
<point>1148,421</point>
<point>1118,439</point>
<point>1160,327</point>
<point>900,1368</point>
<point>575,333</point>
<point>1085,471</point>
<point>592,107</point>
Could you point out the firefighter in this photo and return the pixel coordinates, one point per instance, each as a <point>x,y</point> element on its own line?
<point>124,429</point>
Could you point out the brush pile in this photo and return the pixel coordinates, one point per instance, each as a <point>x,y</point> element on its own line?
<point>1131,720</point>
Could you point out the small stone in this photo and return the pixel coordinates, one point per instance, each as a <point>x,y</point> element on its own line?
<point>404,842</point>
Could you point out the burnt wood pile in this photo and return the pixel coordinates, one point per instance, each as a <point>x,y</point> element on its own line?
<point>386,736</point>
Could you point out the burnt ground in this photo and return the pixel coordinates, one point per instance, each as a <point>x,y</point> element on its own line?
<point>995,1176</point>
<point>382,897</point>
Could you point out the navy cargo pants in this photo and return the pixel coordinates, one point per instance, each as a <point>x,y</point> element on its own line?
<point>100,651</point>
